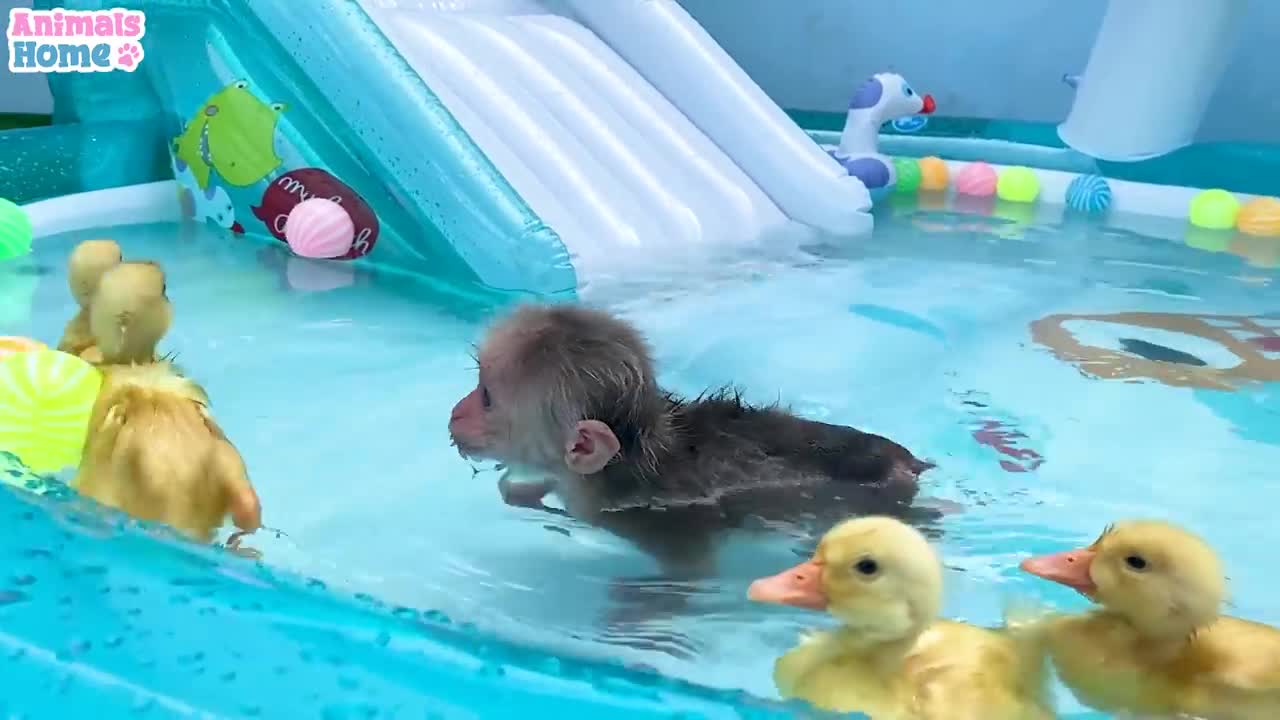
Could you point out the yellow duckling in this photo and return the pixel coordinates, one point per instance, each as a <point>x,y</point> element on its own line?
<point>893,659</point>
<point>88,261</point>
<point>1158,645</point>
<point>153,449</point>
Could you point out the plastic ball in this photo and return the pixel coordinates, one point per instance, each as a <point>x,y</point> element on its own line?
<point>977,179</point>
<point>1020,213</point>
<point>934,175</point>
<point>1259,252</point>
<point>319,228</point>
<point>311,276</point>
<point>1018,184</point>
<point>982,205</point>
<point>908,171</point>
<point>46,398</point>
<point>1089,194</point>
<point>1215,241</point>
<point>15,230</point>
<point>1260,216</point>
<point>1214,209</point>
<point>13,344</point>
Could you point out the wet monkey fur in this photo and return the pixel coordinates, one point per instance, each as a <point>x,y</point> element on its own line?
<point>154,450</point>
<point>570,394</point>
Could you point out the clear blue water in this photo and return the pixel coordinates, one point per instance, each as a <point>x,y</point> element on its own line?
<point>336,385</point>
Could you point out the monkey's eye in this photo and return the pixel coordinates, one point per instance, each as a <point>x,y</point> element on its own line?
<point>485,400</point>
<point>867,566</point>
<point>1136,562</point>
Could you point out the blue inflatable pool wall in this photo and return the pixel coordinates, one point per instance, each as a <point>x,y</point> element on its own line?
<point>106,617</point>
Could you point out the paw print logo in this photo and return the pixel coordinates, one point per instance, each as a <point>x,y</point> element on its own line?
<point>128,55</point>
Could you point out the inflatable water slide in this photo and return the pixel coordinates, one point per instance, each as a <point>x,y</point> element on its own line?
<point>527,145</point>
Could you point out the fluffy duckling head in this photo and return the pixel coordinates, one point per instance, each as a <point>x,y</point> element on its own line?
<point>879,576</point>
<point>1161,578</point>
<point>130,312</point>
<point>88,262</point>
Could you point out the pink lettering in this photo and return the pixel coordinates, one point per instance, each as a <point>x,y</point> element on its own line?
<point>133,23</point>
<point>20,24</point>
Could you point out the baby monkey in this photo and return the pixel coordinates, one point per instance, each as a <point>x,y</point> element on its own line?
<point>88,261</point>
<point>570,393</point>
<point>153,449</point>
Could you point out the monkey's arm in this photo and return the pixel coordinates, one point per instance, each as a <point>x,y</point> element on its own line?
<point>527,494</point>
<point>242,500</point>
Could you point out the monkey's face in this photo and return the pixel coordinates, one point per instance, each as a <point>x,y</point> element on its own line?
<point>495,422</point>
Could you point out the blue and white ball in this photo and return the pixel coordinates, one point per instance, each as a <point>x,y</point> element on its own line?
<point>1089,194</point>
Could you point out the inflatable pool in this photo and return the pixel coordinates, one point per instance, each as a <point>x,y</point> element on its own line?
<point>464,154</point>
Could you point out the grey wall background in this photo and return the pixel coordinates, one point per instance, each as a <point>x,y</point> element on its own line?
<point>979,58</point>
<point>994,58</point>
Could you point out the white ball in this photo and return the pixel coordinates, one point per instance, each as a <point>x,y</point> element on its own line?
<point>319,228</point>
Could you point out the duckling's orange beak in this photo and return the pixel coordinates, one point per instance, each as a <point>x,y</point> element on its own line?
<point>1069,568</point>
<point>800,586</point>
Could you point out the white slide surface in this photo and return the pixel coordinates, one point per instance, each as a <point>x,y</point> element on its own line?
<point>622,124</point>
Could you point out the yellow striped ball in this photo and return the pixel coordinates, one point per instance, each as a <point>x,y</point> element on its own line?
<point>46,398</point>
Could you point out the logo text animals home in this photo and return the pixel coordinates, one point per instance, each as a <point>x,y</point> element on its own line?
<point>58,41</point>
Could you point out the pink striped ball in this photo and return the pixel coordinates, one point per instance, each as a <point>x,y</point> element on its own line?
<point>977,179</point>
<point>319,228</point>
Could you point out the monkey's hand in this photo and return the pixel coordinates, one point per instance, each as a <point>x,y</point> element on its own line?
<point>523,494</point>
<point>233,544</point>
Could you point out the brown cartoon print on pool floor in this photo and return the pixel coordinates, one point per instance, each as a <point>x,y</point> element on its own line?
<point>1219,352</point>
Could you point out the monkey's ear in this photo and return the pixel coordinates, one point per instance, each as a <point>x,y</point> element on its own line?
<point>590,448</point>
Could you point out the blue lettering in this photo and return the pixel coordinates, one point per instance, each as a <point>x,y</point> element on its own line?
<point>46,56</point>
<point>23,53</point>
<point>27,54</point>
<point>73,56</point>
<point>101,55</point>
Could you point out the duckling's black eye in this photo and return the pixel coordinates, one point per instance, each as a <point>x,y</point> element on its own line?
<point>867,566</point>
<point>1137,562</point>
<point>485,400</point>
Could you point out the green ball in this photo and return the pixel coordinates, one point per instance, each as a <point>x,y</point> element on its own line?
<point>1214,210</point>
<point>1018,184</point>
<point>15,231</point>
<point>908,175</point>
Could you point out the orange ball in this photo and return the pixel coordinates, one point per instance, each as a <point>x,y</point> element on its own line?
<point>1259,216</point>
<point>11,344</point>
<point>933,174</point>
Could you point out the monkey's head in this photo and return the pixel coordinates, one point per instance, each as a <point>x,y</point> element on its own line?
<point>88,261</point>
<point>562,389</point>
<point>130,312</point>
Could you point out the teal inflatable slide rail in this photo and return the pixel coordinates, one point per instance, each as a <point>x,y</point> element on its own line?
<point>264,103</point>
<point>519,147</point>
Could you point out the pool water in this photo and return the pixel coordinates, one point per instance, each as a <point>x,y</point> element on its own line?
<point>336,384</point>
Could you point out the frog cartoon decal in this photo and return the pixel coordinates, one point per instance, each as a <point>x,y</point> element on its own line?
<point>233,133</point>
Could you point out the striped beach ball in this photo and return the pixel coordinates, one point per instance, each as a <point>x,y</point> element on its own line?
<point>15,230</point>
<point>1260,216</point>
<point>319,228</point>
<point>46,398</point>
<point>1089,194</point>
